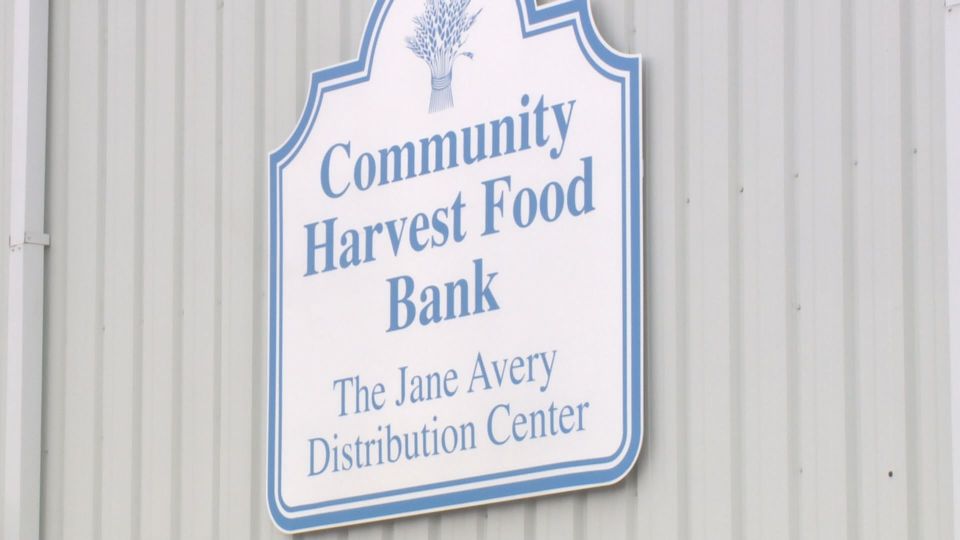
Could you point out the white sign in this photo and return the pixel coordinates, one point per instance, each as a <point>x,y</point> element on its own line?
<point>456,292</point>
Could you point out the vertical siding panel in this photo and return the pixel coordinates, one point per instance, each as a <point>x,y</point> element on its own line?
<point>415,528</point>
<point>608,511</point>
<point>353,22</point>
<point>374,531</point>
<point>661,470</point>
<point>827,221</point>
<point>793,306</point>
<point>321,39</point>
<point>218,278</point>
<point>734,187</point>
<point>916,354</point>
<point>558,516</point>
<point>258,344</point>
<point>695,499</point>
<point>508,521</point>
<point>749,193</point>
<point>161,317</point>
<point>121,352</point>
<point>852,361</point>
<point>282,106</point>
<point>335,534</point>
<point>802,184</point>
<point>941,485</point>
<point>862,296</point>
<point>927,418</point>
<point>197,459</point>
<point>908,258</point>
<point>460,524</point>
<point>262,526</point>
<point>820,275</point>
<point>301,24</point>
<point>614,19</point>
<point>6,61</point>
<point>6,67</point>
<point>709,276</point>
<point>82,366</point>
<point>767,481</point>
<point>711,247</point>
<point>55,273</point>
<point>880,223</point>
<point>886,263</point>
<point>323,34</point>
<point>241,175</point>
<point>936,125</point>
<point>287,80</point>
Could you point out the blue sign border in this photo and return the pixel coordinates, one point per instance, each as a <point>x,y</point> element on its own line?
<point>337,77</point>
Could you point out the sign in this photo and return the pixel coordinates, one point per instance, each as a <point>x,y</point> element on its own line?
<point>456,292</point>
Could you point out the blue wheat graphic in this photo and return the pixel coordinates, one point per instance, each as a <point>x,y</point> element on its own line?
<point>440,34</point>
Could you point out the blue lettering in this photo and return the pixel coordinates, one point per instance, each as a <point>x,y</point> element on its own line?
<point>325,172</point>
<point>492,201</point>
<point>493,438</point>
<point>396,302</point>
<point>326,456</point>
<point>362,183</point>
<point>313,246</point>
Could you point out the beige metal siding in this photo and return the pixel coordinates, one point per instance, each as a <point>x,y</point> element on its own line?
<point>797,369</point>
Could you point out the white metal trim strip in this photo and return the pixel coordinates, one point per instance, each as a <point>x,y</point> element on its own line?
<point>24,350</point>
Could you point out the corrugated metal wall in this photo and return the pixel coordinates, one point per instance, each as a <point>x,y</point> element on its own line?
<point>797,370</point>
<point>6,68</point>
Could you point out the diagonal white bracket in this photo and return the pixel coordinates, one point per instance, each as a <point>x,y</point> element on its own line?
<point>29,238</point>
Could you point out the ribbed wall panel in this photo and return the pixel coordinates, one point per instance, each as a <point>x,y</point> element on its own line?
<point>796,369</point>
<point>6,67</point>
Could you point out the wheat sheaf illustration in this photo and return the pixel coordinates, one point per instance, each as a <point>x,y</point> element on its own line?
<point>440,33</point>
